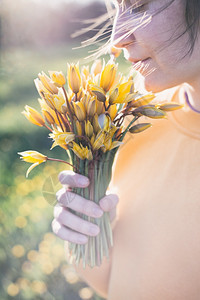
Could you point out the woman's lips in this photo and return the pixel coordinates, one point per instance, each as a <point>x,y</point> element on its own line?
<point>140,63</point>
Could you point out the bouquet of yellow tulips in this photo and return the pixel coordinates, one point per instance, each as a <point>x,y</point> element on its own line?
<point>86,120</point>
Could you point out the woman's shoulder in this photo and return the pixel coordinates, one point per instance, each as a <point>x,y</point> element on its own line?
<point>169,95</point>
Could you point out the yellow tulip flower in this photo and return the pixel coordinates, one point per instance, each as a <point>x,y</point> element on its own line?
<point>61,138</point>
<point>33,116</point>
<point>44,106</point>
<point>123,90</point>
<point>59,101</point>
<point>32,157</point>
<point>79,110</point>
<point>112,111</point>
<point>74,78</point>
<point>78,128</point>
<point>91,108</point>
<point>98,92</point>
<point>88,128</point>
<point>82,152</point>
<point>98,141</point>
<point>48,117</point>
<point>47,83</point>
<point>108,76</point>
<point>58,78</point>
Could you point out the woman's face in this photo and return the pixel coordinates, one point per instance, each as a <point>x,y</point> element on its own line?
<point>154,40</point>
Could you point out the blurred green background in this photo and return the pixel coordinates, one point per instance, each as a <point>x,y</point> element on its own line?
<point>35,36</point>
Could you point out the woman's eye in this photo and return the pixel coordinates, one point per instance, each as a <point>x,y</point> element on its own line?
<point>136,9</point>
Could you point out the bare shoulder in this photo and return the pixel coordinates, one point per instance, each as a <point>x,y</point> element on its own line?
<point>168,95</point>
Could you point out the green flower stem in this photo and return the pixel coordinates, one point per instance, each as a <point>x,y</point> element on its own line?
<point>127,128</point>
<point>99,172</point>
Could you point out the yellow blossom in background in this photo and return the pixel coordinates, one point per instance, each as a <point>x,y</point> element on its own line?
<point>18,251</point>
<point>74,78</point>
<point>115,51</point>
<point>58,78</point>
<point>96,67</point>
<point>13,290</point>
<point>33,116</point>
<point>32,157</point>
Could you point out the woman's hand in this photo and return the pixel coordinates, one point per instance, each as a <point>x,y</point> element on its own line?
<point>67,225</point>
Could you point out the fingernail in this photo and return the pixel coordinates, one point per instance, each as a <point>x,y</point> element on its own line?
<point>97,212</point>
<point>83,181</point>
<point>61,177</point>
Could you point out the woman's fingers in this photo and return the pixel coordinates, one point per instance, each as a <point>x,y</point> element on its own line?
<point>109,202</point>
<point>66,218</point>
<point>66,234</point>
<point>73,179</point>
<point>78,203</point>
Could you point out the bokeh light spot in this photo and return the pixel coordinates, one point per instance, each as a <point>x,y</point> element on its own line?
<point>20,221</point>
<point>12,289</point>
<point>23,283</point>
<point>38,287</point>
<point>32,255</point>
<point>18,250</point>
<point>86,293</point>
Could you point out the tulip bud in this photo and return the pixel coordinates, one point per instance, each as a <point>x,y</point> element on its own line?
<point>95,124</point>
<point>48,117</point>
<point>139,127</point>
<point>74,78</point>
<point>144,100</point>
<point>91,108</point>
<point>113,96</point>
<point>78,127</point>
<point>149,111</point>
<point>33,116</point>
<point>99,93</point>
<point>108,76</point>
<point>100,109</point>
<point>79,110</point>
<point>112,111</point>
<point>170,106</point>
<point>88,128</point>
<point>47,83</point>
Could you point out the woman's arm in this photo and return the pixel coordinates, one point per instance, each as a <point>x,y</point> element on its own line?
<point>98,277</point>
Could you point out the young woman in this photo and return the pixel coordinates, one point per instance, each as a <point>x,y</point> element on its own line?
<point>156,253</point>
